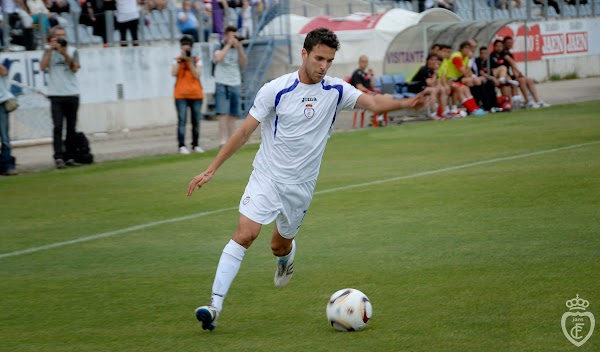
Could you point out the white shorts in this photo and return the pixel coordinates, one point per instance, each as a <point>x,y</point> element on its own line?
<point>265,200</point>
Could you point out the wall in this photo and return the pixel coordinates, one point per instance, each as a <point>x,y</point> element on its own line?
<point>120,88</point>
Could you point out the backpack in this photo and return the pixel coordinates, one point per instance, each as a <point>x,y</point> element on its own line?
<point>78,149</point>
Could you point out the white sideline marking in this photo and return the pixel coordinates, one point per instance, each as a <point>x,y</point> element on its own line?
<point>206,213</point>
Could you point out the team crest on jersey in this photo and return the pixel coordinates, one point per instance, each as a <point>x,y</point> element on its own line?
<point>246,200</point>
<point>309,112</point>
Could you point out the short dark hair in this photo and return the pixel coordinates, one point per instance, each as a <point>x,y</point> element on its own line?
<point>482,48</point>
<point>498,41</point>
<point>445,46</point>
<point>464,45</point>
<point>321,36</point>
<point>433,56</point>
<point>186,40</point>
<point>230,29</point>
<point>436,45</point>
<point>508,37</point>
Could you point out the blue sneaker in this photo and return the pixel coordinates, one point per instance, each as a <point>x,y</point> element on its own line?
<point>478,112</point>
<point>207,315</point>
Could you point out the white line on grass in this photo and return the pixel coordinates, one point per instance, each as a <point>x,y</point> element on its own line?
<point>206,213</point>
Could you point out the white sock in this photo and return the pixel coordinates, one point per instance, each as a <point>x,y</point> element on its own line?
<point>229,265</point>
<point>290,255</point>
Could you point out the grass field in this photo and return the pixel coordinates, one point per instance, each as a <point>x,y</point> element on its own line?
<point>473,237</point>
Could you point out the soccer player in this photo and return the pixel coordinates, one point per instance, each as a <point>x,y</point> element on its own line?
<point>297,112</point>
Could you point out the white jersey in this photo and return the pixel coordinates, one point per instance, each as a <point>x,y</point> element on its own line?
<point>297,120</point>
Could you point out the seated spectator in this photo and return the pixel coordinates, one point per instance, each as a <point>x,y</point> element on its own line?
<point>429,4</point>
<point>149,5</point>
<point>449,74</point>
<point>552,3</point>
<point>39,13</point>
<point>459,69</point>
<point>427,77</point>
<point>526,84</point>
<point>58,6</point>
<point>187,21</point>
<point>500,70</point>
<point>485,92</point>
<point>362,77</point>
<point>21,26</point>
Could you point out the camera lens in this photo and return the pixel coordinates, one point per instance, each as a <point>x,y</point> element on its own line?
<point>62,42</point>
<point>188,52</point>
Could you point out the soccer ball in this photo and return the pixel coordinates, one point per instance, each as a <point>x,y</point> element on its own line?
<point>349,310</point>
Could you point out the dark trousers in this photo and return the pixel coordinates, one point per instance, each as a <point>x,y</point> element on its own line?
<point>182,106</point>
<point>131,26</point>
<point>63,109</point>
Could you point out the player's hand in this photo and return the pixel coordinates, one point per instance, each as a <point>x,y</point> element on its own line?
<point>199,181</point>
<point>422,99</point>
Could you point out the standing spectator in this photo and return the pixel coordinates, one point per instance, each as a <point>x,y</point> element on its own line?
<point>525,83</point>
<point>61,62</point>
<point>247,26</point>
<point>93,15</point>
<point>188,93</point>
<point>218,16</point>
<point>362,77</point>
<point>187,21</point>
<point>128,18</point>
<point>230,60</point>
<point>7,161</point>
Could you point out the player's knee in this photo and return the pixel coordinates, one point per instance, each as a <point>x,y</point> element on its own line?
<point>244,237</point>
<point>280,249</point>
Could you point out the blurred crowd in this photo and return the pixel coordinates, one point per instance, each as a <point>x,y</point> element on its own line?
<point>28,21</point>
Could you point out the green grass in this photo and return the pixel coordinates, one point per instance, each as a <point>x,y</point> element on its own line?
<point>480,258</point>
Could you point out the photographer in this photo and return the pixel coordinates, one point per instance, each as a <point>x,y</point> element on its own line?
<point>229,62</point>
<point>61,62</point>
<point>188,93</point>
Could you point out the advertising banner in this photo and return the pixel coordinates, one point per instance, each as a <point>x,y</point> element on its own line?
<point>553,39</point>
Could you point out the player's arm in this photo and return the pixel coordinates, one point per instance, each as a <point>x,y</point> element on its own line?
<point>513,65</point>
<point>384,103</point>
<point>235,142</point>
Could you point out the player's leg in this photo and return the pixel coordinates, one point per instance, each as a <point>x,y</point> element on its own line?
<point>235,112</point>
<point>222,107</point>
<point>284,249</point>
<point>295,200</point>
<point>227,269</point>
<point>181,106</point>
<point>532,88</point>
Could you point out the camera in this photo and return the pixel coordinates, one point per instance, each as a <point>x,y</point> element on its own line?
<point>188,52</point>
<point>62,42</point>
